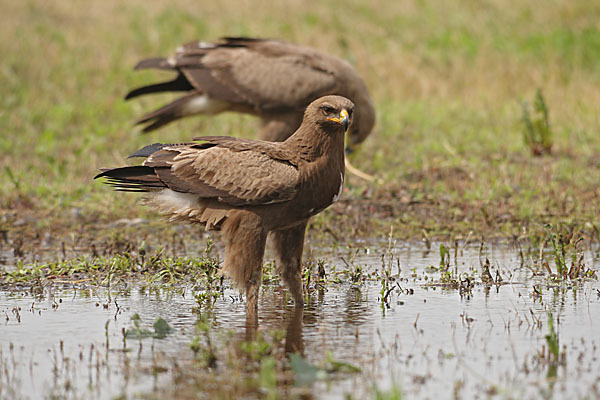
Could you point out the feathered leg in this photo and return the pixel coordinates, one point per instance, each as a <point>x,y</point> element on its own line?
<point>288,245</point>
<point>245,241</point>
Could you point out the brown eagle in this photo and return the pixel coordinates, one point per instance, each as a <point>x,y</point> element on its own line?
<point>271,79</point>
<point>249,189</point>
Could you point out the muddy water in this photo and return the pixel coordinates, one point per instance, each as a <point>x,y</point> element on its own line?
<point>429,341</point>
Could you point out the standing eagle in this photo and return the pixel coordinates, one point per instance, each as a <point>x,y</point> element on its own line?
<point>249,189</point>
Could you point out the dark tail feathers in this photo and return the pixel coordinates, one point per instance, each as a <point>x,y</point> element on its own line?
<point>132,179</point>
<point>166,114</point>
<point>179,84</point>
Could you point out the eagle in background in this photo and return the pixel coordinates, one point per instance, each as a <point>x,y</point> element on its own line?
<point>271,79</point>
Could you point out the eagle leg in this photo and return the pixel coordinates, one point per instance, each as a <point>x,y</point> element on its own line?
<point>245,240</point>
<point>288,245</point>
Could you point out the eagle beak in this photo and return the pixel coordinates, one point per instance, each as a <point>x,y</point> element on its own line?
<point>343,119</point>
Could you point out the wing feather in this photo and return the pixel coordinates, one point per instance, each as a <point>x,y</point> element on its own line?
<point>267,75</point>
<point>235,177</point>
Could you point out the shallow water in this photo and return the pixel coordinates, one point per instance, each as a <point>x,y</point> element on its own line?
<point>432,341</point>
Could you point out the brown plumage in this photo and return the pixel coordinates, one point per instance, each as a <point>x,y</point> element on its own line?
<point>249,189</point>
<point>271,79</point>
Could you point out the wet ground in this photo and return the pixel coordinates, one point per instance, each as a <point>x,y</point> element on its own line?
<point>391,312</point>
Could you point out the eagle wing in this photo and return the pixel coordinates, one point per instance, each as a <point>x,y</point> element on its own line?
<point>267,75</point>
<point>236,172</point>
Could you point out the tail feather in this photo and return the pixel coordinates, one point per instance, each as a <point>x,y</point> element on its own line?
<point>179,84</point>
<point>132,179</point>
<point>146,151</point>
<point>159,122</point>
<point>166,114</point>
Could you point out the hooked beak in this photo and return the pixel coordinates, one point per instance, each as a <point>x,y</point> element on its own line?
<point>343,119</point>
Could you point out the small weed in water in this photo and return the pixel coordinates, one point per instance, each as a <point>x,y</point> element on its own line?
<point>160,329</point>
<point>551,355</point>
<point>202,345</point>
<point>565,249</point>
<point>307,373</point>
<point>268,377</point>
<point>393,394</point>
<point>260,347</point>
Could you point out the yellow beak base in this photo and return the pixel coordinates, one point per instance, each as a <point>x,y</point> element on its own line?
<point>343,119</point>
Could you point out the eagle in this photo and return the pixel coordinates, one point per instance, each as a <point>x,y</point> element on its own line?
<point>271,79</point>
<point>249,189</point>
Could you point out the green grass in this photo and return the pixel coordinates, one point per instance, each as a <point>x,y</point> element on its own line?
<point>448,82</point>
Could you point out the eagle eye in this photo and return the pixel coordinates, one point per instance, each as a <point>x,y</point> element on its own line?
<point>328,109</point>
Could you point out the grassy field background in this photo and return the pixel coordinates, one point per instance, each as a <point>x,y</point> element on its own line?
<point>447,78</point>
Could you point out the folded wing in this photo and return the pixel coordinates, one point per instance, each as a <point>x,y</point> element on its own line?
<point>235,177</point>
